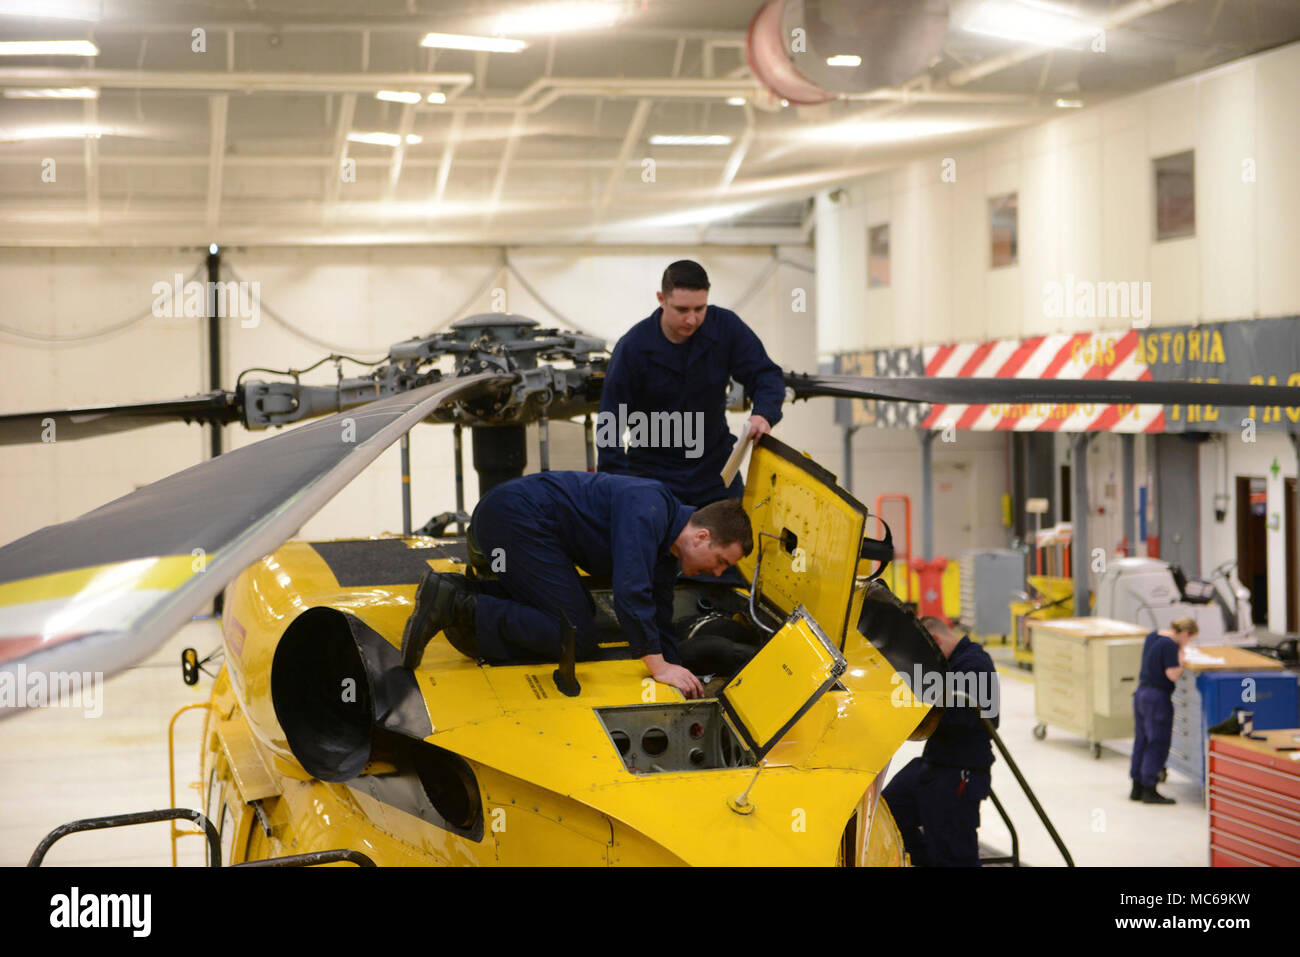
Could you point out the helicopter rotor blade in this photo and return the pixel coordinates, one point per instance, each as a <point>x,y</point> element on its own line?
<point>103,591</point>
<point>81,423</point>
<point>951,390</point>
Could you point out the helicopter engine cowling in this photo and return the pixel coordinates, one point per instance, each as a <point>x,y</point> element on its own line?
<point>337,686</point>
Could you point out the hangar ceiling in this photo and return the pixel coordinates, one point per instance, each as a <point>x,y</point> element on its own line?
<point>247,121</point>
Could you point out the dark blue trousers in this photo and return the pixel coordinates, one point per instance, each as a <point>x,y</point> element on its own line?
<point>937,817</point>
<point>520,615</point>
<point>1153,728</point>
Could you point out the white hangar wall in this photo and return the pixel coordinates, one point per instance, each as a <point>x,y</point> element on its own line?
<point>1086,209</point>
<point>360,300</point>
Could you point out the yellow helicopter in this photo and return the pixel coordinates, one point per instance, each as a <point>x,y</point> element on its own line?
<point>319,747</point>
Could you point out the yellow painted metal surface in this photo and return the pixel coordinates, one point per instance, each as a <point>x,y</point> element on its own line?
<point>783,498</point>
<point>552,786</point>
<point>779,681</point>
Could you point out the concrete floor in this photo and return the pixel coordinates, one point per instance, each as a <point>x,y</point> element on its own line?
<point>58,765</point>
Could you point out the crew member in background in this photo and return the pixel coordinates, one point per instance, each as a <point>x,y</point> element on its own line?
<point>936,798</point>
<point>1153,707</point>
<point>679,360</point>
<point>530,532</point>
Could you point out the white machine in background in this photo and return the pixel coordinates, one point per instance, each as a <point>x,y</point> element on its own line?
<point>1152,593</point>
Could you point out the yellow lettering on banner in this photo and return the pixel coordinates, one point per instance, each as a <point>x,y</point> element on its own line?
<point>1216,348</point>
<point>1292,413</point>
<point>1164,345</point>
<point>1193,346</point>
<point>1179,342</point>
<point>1110,352</point>
<point>1177,412</point>
<point>1255,380</point>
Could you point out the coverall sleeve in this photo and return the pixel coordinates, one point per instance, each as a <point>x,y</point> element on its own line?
<point>640,523</point>
<point>762,378</point>
<point>1168,655</point>
<point>618,387</point>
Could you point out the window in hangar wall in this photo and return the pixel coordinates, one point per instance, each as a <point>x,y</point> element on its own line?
<point>878,256</point>
<point>1004,230</point>
<point>1175,191</point>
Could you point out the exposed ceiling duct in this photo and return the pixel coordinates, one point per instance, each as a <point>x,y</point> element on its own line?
<point>812,51</point>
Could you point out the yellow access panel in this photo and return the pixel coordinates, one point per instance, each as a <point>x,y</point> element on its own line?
<point>808,535</point>
<point>795,668</point>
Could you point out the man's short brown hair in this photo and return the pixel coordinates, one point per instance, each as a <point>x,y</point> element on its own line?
<point>726,523</point>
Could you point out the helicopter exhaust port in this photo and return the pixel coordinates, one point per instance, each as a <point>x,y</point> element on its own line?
<point>336,685</point>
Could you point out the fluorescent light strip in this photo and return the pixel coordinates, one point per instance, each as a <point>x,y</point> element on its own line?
<point>78,93</point>
<point>1070,104</point>
<point>735,101</point>
<point>383,139</point>
<point>437,98</point>
<point>75,131</point>
<point>399,96</point>
<point>844,59</point>
<point>456,41</point>
<point>559,18</point>
<point>669,140</point>
<point>48,48</point>
<point>1026,21</point>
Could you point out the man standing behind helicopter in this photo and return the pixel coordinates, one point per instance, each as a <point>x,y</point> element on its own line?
<point>676,363</point>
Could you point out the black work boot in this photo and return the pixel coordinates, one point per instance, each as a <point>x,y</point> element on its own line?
<point>1152,796</point>
<point>1136,793</point>
<point>443,602</point>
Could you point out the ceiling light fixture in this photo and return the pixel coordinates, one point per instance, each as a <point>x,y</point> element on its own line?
<point>383,139</point>
<point>548,18</point>
<point>676,140</point>
<point>735,101</point>
<point>398,96</point>
<point>77,93</point>
<point>1069,104</point>
<point>48,48</point>
<point>844,59</point>
<point>71,131</point>
<point>437,98</point>
<point>456,41</point>
<point>1029,21</point>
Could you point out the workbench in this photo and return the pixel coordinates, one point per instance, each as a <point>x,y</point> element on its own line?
<point>1085,673</point>
<point>1215,680</point>
<point>1254,800</point>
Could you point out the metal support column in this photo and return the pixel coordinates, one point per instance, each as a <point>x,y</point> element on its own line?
<point>214,341</point>
<point>544,442</point>
<point>460,475</point>
<point>846,476</point>
<point>1079,559</point>
<point>927,495</point>
<point>406,484</point>
<point>1127,443</point>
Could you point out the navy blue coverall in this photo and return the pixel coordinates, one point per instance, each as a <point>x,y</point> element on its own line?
<point>936,798</point>
<point>615,526</point>
<point>648,373</point>
<point>1153,710</point>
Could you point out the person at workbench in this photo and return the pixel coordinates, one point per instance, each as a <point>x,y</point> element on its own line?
<point>530,532</point>
<point>1153,707</point>
<point>673,367</point>
<point>936,798</point>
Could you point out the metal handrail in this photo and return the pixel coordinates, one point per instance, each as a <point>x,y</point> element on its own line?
<point>176,833</point>
<point>1024,786</point>
<point>1020,778</point>
<point>1014,858</point>
<point>126,820</point>
<point>312,859</point>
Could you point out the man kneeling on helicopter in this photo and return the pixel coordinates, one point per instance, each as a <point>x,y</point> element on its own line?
<point>530,532</point>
